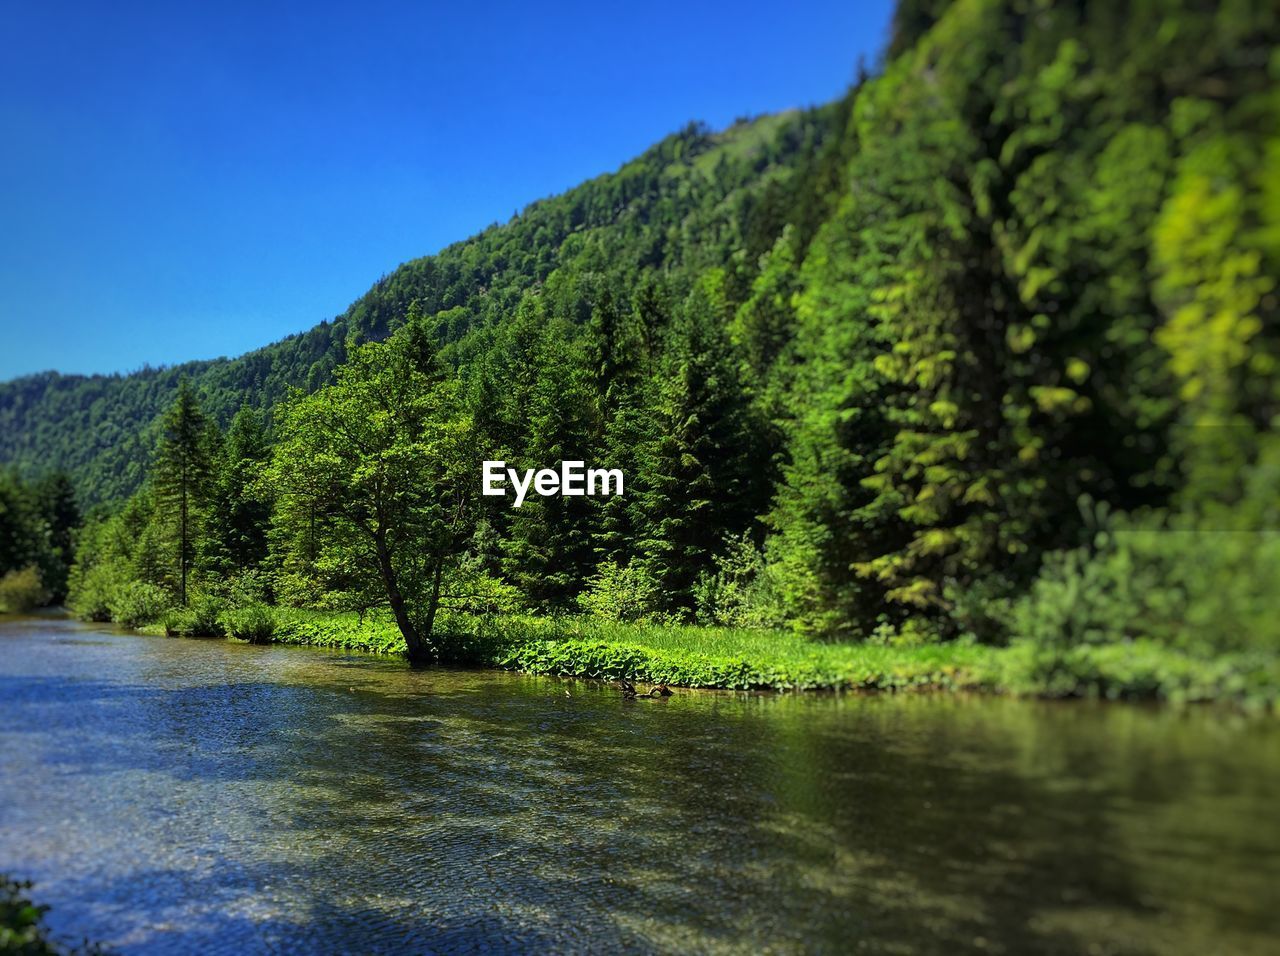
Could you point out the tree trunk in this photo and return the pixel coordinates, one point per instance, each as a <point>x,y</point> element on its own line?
<point>430,627</point>
<point>412,641</point>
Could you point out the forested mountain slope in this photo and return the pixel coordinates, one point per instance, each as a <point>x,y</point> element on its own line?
<point>695,200</point>
<point>988,347</point>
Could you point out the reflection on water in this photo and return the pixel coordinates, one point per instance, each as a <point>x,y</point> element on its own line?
<point>178,795</point>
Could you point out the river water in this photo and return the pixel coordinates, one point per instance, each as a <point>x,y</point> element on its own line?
<point>204,796</point>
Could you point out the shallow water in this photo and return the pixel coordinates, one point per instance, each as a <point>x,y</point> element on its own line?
<point>184,796</point>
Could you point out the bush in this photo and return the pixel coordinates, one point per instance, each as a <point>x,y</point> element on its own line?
<point>620,593</point>
<point>200,618</point>
<point>255,624</point>
<point>248,589</point>
<point>1139,669</point>
<point>93,590</point>
<point>471,591</point>
<point>375,632</point>
<point>21,929</point>
<point>22,591</point>
<point>741,591</point>
<point>1205,592</point>
<point>138,603</point>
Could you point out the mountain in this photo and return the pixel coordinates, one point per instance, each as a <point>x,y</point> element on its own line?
<point>902,365</point>
<point>686,204</point>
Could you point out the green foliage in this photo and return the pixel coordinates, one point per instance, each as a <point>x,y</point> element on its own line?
<point>546,414</point>
<point>375,481</point>
<point>37,523</point>
<point>22,591</point>
<point>182,478</point>
<point>137,603</point>
<point>240,510</point>
<point>1204,592</point>
<point>694,481</point>
<point>1138,669</point>
<point>373,633</point>
<point>621,593</point>
<point>202,617</point>
<point>741,591</point>
<point>858,365</point>
<point>255,624</point>
<point>21,929</point>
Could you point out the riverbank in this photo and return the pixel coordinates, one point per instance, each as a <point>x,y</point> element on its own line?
<point>739,659</point>
<point>695,657</point>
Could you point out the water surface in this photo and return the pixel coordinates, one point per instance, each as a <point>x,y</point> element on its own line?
<point>204,796</point>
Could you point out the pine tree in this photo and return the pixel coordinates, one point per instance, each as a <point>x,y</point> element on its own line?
<point>56,502</point>
<point>695,484</point>
<point>241,513</point>
<point>551,406</point>
<point>183,480</point>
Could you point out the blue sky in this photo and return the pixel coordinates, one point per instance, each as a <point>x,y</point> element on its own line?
<point>182,180</point>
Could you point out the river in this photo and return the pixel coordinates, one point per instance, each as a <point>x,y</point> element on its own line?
<point>173,795</point>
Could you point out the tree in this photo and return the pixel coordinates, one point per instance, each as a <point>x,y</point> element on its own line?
<point>242,511</point>
<point>378,475</point>
<point>695,482</point>
<point>547,550</point>
<point>21,534</point>
<point>56,501</point>
<point>183,478</point>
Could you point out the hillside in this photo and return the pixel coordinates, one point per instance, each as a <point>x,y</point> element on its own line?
<point>683,206</point>
<point>953,355</point>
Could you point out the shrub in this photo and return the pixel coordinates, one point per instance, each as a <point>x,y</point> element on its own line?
<point>249,589</point>
<point>255,624</point>
<point>374,632</point>
<point>741,592</point>
<point>22,591</point>
<point>1205,592</point>
<point>200,618</point>
<point>470,591</point>
<point>620,593</point>
<point>21,921</point>
<point>138,603</point>
<point>93,589</point>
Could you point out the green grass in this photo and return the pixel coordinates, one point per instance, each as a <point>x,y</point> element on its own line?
<point>704,656</point>
<point>681,656</point>
<point>741,141</point>
<point>737,659</point>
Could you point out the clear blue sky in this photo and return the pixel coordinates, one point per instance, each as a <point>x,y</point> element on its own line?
<point>182,180</point>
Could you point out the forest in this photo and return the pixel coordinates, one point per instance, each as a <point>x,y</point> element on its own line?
<point>971,373</point>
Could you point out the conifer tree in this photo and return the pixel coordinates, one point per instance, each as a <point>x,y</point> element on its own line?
<point>242,511</point>
<point>694,480</point>
<point>183,480</point>
<point>551,407</point>
<point>56,502</point>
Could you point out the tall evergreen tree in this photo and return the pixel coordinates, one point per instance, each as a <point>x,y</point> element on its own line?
<point>56,501</point>
<point>551,407</point>
<point>183,479</point>
<point>242,509</point>
<point>695,481</point>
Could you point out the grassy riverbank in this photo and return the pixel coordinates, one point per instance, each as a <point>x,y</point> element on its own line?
<point>708,657</point>
<point>680,656</point>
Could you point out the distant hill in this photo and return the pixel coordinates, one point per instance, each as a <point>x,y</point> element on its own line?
<point>686,204</point>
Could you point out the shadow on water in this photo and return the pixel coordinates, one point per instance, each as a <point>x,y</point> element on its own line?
<point>208,797</point>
